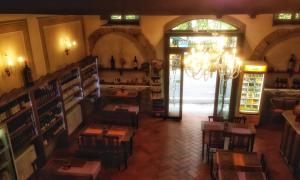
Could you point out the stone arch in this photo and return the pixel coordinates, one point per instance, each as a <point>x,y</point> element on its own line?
<point>271,40</point>
<point>135,35</point>
<point>227,19</point>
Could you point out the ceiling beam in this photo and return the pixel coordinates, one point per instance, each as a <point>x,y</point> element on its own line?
<point>148,7</point>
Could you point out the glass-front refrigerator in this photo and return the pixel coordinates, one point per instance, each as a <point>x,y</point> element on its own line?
<point>251,90</point>
<point>7,170</point>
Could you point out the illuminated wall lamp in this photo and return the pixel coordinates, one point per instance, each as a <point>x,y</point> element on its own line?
<point>10,66</point>
<point>69,45</point>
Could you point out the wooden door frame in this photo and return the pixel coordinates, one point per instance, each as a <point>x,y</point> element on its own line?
<point>168,50</point>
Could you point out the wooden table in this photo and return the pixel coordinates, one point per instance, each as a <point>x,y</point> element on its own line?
<point>125,134</point>
<point>229,128</point>
<point>71,168</point>
<point>242,161</point>
<point>226,174</point>
<point>121,112</point>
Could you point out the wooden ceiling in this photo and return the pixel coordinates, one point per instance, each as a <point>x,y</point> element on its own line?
<point>149,7</point>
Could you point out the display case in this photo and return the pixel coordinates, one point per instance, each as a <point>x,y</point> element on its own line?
<point>251,93</point>
<point>18,115</point>
<point>7,170</point>
<point>89,77</point>
<point>49,112</point>
<point>251,85</point>
<point>70,83</point>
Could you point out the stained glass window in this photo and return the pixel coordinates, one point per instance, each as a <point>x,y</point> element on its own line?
<point>204,24</point>
<point>286,18</point>
<point>128,19</point>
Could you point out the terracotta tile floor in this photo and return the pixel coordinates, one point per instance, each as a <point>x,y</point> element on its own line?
<point>166,149</point>
<point>171,150</point>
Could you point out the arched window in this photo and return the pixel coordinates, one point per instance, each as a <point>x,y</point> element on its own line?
<point>204,25</point>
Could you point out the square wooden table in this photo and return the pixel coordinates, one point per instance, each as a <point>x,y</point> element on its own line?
<point>226,174</point>
<point>70,168</point>
<point>125,134</point>
<point>244,161</point>
<point>121,111</point>
<point>228,128</point>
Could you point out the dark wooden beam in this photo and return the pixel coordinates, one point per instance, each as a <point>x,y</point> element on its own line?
<point>149,7</point>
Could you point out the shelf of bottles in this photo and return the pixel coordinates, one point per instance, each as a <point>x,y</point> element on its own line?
<point>18,116</point>
<point>7,170</point>
<point>158,106</point>
<point>90,78</point>
<point>49,110</point>
<point>71,89</point>
<point>251,93</point>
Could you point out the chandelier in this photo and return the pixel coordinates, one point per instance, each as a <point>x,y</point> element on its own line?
<point>204,60</point>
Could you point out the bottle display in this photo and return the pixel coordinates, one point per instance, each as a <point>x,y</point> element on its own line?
<point>291,65</point>
<point>112,63</point>
<point>135,63</point>
<point>251,93</point>
<point>45,93</point>
<point>7,170</point>
<point>27,75</point>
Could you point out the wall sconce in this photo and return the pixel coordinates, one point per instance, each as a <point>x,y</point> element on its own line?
<point>69,44</point>
<point>10,66</point>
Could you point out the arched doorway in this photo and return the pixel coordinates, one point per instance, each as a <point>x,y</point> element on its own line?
<point>182,88</point>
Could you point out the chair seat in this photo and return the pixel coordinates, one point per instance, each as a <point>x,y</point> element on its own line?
<point>277,110</point>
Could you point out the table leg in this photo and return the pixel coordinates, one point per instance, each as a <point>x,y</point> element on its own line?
<point>203,137</point>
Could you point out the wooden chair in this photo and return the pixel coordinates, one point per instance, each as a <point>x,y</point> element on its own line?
<point>239,119</point>
<point>240,142</point>
<point>114,151</point>
<point>89,146</point>
<point>215,119</point>
<point>265,167</point>
<point>215,141</point>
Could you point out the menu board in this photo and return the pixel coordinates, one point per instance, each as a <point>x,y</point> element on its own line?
<point>251,93</point>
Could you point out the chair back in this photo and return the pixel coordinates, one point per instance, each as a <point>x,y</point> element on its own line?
<point>265,167</point>
<point>87,141</point>
<point>215,119</point>
<point>241,142</point>
<point>111,143</point>
<point>216,139</point>
<point>239,119</point>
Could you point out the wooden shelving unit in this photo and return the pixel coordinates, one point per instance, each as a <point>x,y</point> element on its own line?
<point>20,122</point>
<point>158,105</point>
<point>48,103</point>
<point>90,78</point>
<point>36,117</point>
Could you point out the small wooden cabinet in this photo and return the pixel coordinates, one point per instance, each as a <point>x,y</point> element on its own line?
<point>290,143</point>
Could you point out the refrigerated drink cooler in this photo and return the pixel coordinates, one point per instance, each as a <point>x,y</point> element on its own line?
<point>7,170</point>
<point>251,87</point>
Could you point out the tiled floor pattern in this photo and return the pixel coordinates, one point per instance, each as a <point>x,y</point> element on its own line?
<point>170,150</point>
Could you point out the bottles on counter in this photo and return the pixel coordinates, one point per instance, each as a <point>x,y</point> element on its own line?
<point>281,83</point>
<point>296,84</point>
<point>112,63</point>
<point>291,65</point>
<point>135,63</point>
<point>43,94</point>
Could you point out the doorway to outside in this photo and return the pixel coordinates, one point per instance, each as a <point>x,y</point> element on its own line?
<point>198,96</point>
<point>188,95</point>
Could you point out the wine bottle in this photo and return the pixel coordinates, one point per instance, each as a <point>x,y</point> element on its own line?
<point>27,75</point>
<point>112,63</point>
<point>291,65</point>
<point>135,63</point>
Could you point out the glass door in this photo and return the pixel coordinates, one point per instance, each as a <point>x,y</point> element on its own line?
<point>175,85</point>
<point>223,98</point>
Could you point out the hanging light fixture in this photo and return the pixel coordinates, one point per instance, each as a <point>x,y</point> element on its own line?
<point>229,65</point>
<point>204,60</point>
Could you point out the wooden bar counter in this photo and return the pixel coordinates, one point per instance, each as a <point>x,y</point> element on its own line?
<point>290,143</point>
